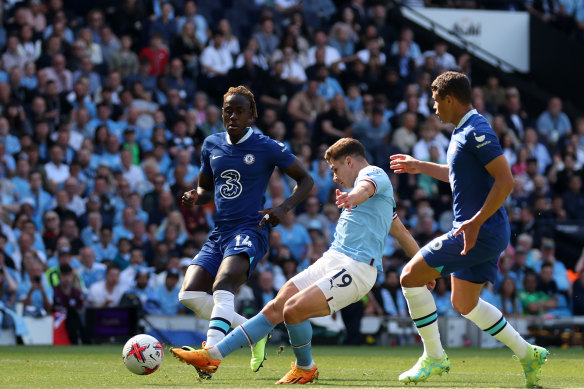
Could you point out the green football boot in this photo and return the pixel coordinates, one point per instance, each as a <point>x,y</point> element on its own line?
<point>425,368</point>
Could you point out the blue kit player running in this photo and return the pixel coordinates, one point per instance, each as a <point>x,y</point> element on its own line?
<point>235,169</point>
<point>480,180</point>
<point>342,276</point>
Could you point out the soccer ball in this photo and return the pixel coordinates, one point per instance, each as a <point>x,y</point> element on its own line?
<point>143,354</point>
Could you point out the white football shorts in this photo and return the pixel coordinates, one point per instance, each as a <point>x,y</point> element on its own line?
<point>342,279</point>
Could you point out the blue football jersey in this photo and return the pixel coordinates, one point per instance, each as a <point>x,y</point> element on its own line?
<point>240,175</point>
<point>472,146</point>
<point>361,232</point>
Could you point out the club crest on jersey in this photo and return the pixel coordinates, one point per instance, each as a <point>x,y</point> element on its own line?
<point>249,159</point>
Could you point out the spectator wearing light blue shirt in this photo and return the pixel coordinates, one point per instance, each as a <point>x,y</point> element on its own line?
<point>167,294</point>
<point>553,123</point>
<point>10,141</point>
<point>295,237</point>
<point>105,249</point>
<point>34,291</point>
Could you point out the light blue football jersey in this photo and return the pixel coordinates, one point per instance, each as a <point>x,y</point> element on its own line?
<point>361,232</point>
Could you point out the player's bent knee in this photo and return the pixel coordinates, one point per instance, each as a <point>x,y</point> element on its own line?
<point>463,307</point>
<point>273,311</point>
<point>292,313</point>
<point>197,301</point>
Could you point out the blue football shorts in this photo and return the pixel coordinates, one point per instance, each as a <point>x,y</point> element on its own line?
<point>250,240</point>
<point>478,265</point>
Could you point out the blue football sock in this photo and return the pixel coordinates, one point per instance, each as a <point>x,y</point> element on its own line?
<point>248,333</point>
<point>300,339</point>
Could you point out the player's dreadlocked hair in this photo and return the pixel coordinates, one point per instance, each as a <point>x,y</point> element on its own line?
<point>242,90</point>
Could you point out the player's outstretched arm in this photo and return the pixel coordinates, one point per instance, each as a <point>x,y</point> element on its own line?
<point>402,163</point>
<point>403,237</point>
<point>304,183</point>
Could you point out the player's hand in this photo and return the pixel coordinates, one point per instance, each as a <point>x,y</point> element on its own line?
<point>431,285</point>
<point>189,198</point>
<point>470,231</point>
<point>402,163</point>
<point>272,216</point>
<point>344,200</point>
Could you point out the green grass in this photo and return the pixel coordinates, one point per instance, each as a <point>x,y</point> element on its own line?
<point>358,367</point>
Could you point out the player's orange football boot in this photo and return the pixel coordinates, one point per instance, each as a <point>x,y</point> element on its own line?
<point>200,359</point>
<point>297,375</point>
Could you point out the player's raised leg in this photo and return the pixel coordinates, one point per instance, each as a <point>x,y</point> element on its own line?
<point>252,331</point>
<point>311,302</point>
<point>434,361</point>
<point>466,300</point>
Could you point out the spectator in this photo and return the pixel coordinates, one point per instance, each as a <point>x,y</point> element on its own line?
<point>216,61</point>
<point>69,300</point>
<point>156,54</point>
<point>131,268</point>
<point>313,218</point>
<point>535,302</point>
<point>334,124</point>
<point>165,25</point>
<point>295,237</point>
<point>574,199</point>
<point>390,296</point>
<point>306,105</point>
<point>90,271</point>
<point>553,124</point>
<point>265,291</point>
<point>107,293</point>
<point>516,118</point>
<point>166,294</point>
<point>507,299</point>
<point>34,291</point>
<point>547,250</point>
<point>442,297</point>
<point>198,21</point>
<point>105,250</point>
<point>142,289</point>
<point>331,55</point>
<point>266,38</point>
<point>405,137</point>
<point>58,73</point>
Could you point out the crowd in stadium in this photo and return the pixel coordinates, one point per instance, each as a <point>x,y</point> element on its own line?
<point>103,112</point>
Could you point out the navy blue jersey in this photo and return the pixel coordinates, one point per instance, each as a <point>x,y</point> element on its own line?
<point>240,174</point>
<point>472,146</point>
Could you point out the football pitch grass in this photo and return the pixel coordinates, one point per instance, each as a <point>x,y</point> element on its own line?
<point>339,366</point>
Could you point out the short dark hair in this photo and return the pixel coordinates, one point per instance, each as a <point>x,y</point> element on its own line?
<point>345,147</point>
<point>453,84</point>
<point>65,269</point>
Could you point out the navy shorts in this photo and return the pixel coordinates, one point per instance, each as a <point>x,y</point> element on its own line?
<point>249,240</point>
<point>478,265</point>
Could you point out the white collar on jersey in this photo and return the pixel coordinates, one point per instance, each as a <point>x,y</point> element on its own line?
<point>243,139</point>
<point>466,117</point>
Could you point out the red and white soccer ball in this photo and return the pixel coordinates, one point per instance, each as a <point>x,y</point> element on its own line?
<point>143,354</point>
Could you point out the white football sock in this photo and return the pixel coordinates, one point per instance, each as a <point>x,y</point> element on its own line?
<point>423,311</point>
<point>489,319</point>
<point>202,304</point>
<point>221,317</point>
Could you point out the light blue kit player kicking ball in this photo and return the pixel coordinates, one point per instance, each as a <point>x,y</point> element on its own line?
<point>342,276</point>
<point>480,180</point>
<point>236,166</point>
